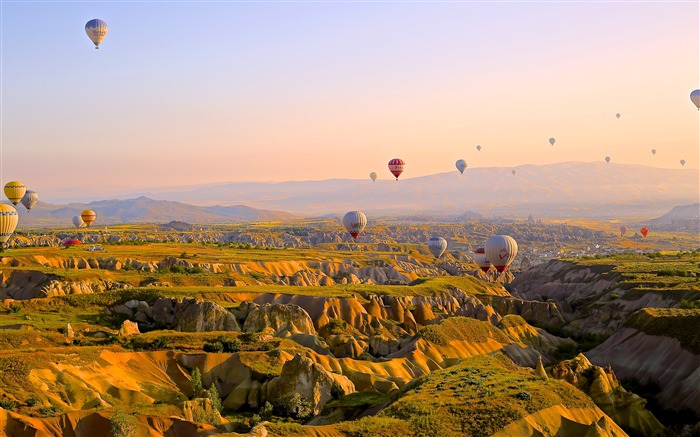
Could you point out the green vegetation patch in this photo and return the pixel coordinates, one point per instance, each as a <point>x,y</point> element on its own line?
<point>479,397</point>
<point>462,329</point>
<point>681,324</point>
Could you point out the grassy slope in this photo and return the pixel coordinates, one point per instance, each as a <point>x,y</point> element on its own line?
<point>681,324</point>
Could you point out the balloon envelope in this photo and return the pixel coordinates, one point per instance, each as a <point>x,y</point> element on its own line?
<point>644,232</point>
<point>373,176</point>
<point>501,251</point>
<point>355,222</point>
<point>695,98</point>
<point>14,191</point>
<point>653,151</point>
<point>396,167</point>
<point>96,30</point>
<point>29,199</point>
<point>478,148</point>
<point>437,246</point>
<point>8,222</point>
<point>461,165</point>
<point>78,222</point>
<point>513,172</point>
<point>71,242</point>
<point>682,161</point>
<point>552,141</point>
<point>623,231</point>
<point>88,217</point>
<point>607,159</point>
<point>481,259</point>
<point>617,115</point>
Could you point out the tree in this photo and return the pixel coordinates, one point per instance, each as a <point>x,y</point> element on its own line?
<point>196,382</point>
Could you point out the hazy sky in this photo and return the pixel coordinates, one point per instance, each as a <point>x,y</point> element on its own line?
<point>192,93</point>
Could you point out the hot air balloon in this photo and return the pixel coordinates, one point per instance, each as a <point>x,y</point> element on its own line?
<point>461,165</point>
<point>88,217</point>
<point>513,172</point>
<point>396,167</point>
<point>623,230</point>
<point>482,260</point>
<point>682,161</point>
<point>617,115</point>
<point>78,222</point>
<point>355,222</point>
<point>96,30</point>
<point>478,148</point>
<point>695,98</point>
<point>501,251</point>
<point>644,232</point>
<point>8,223</point>
<point>29,199</point>
<point>607,159</point>
<point>14,191</point>
<point>373,176</point>
<point>552,141</point>
<point>653,151</point>
<point>71,242</point>
<point>437,246</point>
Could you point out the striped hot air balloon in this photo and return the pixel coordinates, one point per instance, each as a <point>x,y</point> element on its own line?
<point>14,191</point>
<point>396,167</point>
<point>88,217</point>
<point>8,222</point>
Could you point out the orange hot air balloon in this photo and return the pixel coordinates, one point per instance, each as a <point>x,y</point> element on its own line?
<point>88,217</point>
<point>644,232</point>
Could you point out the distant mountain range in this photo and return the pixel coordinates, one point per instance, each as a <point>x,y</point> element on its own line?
<point>556,190</point>
<point>684,212</point>
<point>145,210</point>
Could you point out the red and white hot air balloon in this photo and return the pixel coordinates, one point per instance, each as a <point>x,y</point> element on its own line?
<point>501,251</point>
<point>482,260</point>
<point>396,167</point>
<point>355,222</point>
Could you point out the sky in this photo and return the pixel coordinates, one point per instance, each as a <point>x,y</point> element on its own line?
<point>188,93</point>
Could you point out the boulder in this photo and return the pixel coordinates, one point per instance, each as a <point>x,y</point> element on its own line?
<point>282,318</point>
<point>128,328</point>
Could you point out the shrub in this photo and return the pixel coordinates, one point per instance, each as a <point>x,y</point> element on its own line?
<point>231,345</point>
<point>31,402</point>
<point>122,424</point>
<point>294,406</point>
<point>8,404</point>
<point>47,411</point>
<point>523,396</point>
<point>216,346</point>
<point>249,337</point>
<point>337,391</point>
<point>255,419</point>
<point>266,411</point>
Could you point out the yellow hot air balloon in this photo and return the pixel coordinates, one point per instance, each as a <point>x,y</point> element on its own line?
<point>88,217</point>
<point>96,30</point>
<point>14,190</point>
<point>8,223</point>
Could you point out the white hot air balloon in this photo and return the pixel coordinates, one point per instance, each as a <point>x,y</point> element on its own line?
<point>96,30</point>
<point>501,251</point>
<point>653,151</point>
<point>29,199</point>
<point>617,115</point>
<point>482,260</point>
<point>461,165</point>
<point>355,222</point>
<point>607,159</point>
<point>78,222</point>
<point>373,176</point>
<point>437,246</point>
<point>8,222</point>
<point>682,161</point>
<point>552,141</point>
<point>695,98</point>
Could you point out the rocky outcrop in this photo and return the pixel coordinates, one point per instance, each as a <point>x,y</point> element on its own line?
<point>625,408</point>
<point>282,319</point>
<point>544,314</point>
<point>192,315</point>
<point>128,328</point>
<point>312,381</point>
